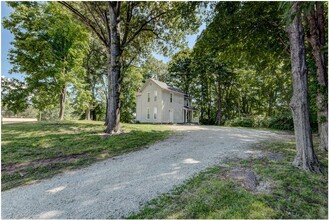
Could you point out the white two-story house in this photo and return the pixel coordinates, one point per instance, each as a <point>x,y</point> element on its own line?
<point>159,103</point>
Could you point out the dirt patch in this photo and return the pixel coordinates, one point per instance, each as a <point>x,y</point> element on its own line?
<point>106,135</point>
<point>11,168</point>
<point>248,179</point>
<point>244,177</point>
<point>60,124</point>
<point>273,156</point>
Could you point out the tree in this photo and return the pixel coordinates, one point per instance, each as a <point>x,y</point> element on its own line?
<point>305,158</point>
<point>48,48</point>
<point>132,81</point>
<point>316,38</point>
<point>153,68</point>
<point>180,71</point>
<point>14,95</point>
<point>248,40</point>
<point>95,66</point>
<point>125,28</point>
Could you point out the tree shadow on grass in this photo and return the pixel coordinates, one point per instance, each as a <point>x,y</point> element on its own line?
<point>27,159</point>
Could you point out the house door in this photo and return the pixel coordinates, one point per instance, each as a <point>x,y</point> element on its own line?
<point>171,116</point>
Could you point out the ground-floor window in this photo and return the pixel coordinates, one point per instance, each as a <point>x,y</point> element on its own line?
<point>148,113</point>
<point>155,113</point>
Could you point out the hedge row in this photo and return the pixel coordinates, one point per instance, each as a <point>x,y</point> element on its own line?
<point>282,122</point>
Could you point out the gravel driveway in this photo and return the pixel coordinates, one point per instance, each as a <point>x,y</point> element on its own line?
<point>118,186</point>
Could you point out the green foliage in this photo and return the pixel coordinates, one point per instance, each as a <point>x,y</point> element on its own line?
<point>240,58</point>
<point>323,119</point>
<point>181,74</point>
<point>48,47</point>
<point>241,122</point>
<point>14,95</point>
<point>280,122</point>
<point>132,81</point>
<point>153,68</point>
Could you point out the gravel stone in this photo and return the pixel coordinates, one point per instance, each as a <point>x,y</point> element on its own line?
<point>116,187</point>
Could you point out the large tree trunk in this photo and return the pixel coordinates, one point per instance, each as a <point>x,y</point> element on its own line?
<point>305,158</point>
<point>62,102</point>
<point>218,116</point>
<point>209,113</point>
<point>87,113</point>
<point>89,87</point>
<point>107,109</point>
<point>107,93</point>
<point>115,70</point>
<point>316,39</point>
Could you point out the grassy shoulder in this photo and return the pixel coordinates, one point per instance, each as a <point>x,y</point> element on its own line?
<point>33,151</point>
<point>294,193</point>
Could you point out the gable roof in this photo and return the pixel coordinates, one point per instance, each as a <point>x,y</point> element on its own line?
<point>163,85</point>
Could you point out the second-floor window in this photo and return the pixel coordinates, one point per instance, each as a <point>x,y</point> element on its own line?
<point>148,97</point>
<point>155,95</point>
<point>170,97</point>
<point>187,102</point>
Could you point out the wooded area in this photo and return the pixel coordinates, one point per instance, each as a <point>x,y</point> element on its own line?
<point>256,64</point>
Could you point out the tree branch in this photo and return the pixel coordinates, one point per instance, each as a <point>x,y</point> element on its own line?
<point>130,7</point>
<point>95,20</point>
<point>141,28</point>
<point>151,30</point>
<point>84,19</point>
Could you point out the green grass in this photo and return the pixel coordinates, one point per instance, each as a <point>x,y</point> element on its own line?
<point>34,151</point>
<point>296,194</point>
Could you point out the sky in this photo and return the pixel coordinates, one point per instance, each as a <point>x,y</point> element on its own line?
<point>7,37</point>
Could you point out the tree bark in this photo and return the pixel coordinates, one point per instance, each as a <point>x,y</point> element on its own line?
<point>113,125</point>
<point>62,102</point>
<point>218,116</point>
<point>209,113</point>
<point>305,158</point>
<point>87,113</point>
<point>89,87</point>
<point>316,39</point>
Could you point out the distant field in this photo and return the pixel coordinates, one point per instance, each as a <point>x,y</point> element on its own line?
<point>36,150</point>
<point>17,120</point>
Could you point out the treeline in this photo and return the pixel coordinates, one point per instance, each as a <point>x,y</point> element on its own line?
<point>239,70</point>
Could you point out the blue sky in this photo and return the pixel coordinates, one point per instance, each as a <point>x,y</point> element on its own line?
<point>7,37</point>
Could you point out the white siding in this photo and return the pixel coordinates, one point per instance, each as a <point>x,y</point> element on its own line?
<point>162,105</point>
<point>176,106</point>
<point>143,104</point>
<point>138,108</point>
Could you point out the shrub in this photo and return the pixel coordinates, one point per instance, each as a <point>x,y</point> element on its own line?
<point>240,122</point>
<point>282,122</point>
<point>261,121</point>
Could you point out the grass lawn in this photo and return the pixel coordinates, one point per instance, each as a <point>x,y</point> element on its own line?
<point>33,151</point>
<point>295,194</point>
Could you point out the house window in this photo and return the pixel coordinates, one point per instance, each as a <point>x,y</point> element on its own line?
<point>148,97</point>
<point>148,113</point>
<point>170,97</point>
<point>155,95</point>
<point>155,113</point>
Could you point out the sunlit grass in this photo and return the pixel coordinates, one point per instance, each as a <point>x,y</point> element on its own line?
<point>296,194</point>
<point>50,146</point>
